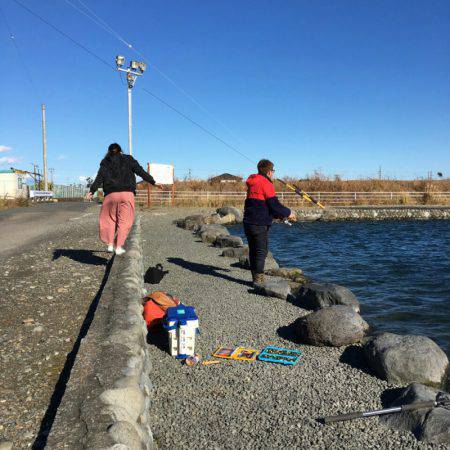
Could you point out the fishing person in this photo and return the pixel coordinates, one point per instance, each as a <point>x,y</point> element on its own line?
<point>261,207</point>
<point>117,178</point>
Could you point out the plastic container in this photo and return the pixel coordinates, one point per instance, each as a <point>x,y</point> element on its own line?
<point>181,323</point>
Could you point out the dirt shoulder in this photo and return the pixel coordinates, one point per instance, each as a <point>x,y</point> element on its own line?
<point>46,289</point>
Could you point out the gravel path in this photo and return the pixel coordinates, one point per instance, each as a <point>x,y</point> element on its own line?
<point>45,292</point>
<point>250,404</point>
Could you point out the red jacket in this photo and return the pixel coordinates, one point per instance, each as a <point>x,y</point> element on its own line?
<point>262,204</point>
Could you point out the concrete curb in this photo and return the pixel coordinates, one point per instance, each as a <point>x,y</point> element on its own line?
<point>107,400</point>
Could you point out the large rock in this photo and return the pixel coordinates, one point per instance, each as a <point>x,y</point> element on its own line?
<point>225,210</point>
<point>227,220</point>
<point>334,326</point>
<point>235,252</point>
<point>191,222</point>
<point>429,425</point>
<point>271,264</point>
<point>290,273</point>
<point>211,232</point>
<point>320,295</point>
<point>213,218</point>
<point>274,287</point>
<point>407,358</point>
<point>228,241</point>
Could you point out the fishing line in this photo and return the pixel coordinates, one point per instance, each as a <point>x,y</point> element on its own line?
<point>156,97</point>
<point>95,18</point>
<point>153,95</point>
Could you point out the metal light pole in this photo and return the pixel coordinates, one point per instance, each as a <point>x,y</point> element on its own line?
<point>44,146</point>
<point>134,70</point>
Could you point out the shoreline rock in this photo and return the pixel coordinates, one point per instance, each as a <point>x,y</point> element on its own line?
<point>235,252</point>
<point>274,287</point>
<point>228,241</point>
<point>321,295</point>
<point>406,359</point>
<point>333,326</point>
<point>428,425</point>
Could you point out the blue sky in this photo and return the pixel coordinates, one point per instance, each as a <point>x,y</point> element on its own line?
<point>337,86</point>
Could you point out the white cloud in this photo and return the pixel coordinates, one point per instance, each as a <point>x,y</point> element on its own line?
<point>4,160</point>
<point>4,148</point>
<point>61,157</point>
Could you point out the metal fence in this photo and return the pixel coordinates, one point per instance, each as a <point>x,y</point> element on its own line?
<point>62,191</point>
<point>214,198</point>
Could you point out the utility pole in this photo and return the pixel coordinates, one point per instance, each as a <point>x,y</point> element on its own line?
<point>51,175</point>
<point>379,173</point>
<point>35,178</point>
<point>44,146</point>
<point>134,70</point>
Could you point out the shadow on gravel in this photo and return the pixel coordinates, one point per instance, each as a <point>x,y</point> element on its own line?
<point>204,269</point>
<point>389,395</point>
<point>82,256</point>
<point>159,339</point>
<point>353,356</point>
<point>288,333</point>
<point>64,376</point>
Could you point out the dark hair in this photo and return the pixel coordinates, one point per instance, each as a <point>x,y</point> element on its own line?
<point>113,149</point>
<point>265,166</point>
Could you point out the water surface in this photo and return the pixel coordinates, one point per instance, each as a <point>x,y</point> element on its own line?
<point>399,270</point>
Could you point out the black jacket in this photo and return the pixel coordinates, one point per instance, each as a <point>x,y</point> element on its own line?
<point>117,174</point>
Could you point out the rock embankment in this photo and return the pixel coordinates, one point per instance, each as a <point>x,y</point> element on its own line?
<point>374,213</point>
<point>335,322</point>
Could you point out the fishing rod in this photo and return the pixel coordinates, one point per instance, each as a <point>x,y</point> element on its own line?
<point>439,402</point>
<point>302,193</point>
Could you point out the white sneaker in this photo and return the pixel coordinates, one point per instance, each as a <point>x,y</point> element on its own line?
<point>120,251</point>
<point>110,248</point>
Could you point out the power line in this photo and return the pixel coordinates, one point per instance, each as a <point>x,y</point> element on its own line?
<point>156,97</point>
<point>78,44</point>
<point>95,18</point>
<point>210,133</point>
<point>12,37</point>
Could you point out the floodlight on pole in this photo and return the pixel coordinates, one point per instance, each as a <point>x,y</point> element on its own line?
<point>134,70</point>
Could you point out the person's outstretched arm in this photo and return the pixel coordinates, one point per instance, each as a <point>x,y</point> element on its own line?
<point>138,170</point>
<point>97,182</point>
<point>276,208</point>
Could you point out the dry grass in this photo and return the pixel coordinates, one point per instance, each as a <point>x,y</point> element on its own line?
<point>6,203</point>
<point>403,192</point>
<point>324,184</point>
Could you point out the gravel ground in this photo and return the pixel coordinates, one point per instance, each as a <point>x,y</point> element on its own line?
<point>250,404</point>
<point>45,292</point>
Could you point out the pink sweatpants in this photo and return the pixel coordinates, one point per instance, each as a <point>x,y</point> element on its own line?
<point>116,215</point>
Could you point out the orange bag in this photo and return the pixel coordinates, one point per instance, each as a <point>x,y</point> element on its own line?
<point>155,306</point>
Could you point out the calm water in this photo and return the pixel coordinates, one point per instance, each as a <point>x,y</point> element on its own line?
<point>399,270</point>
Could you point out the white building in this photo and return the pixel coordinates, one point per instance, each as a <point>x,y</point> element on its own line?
<point>13,185</point>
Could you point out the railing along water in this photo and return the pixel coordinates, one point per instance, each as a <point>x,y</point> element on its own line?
<point>217,198</point>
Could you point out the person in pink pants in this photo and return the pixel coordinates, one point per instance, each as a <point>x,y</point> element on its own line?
<point>117,177</point>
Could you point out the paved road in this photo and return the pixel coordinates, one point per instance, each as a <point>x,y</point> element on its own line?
<point>24,226</point>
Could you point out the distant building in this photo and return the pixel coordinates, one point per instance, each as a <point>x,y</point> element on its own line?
<point>225,178</point>
<point>13,185</point>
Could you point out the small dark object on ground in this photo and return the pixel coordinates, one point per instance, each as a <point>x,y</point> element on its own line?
<point>154,275</point>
